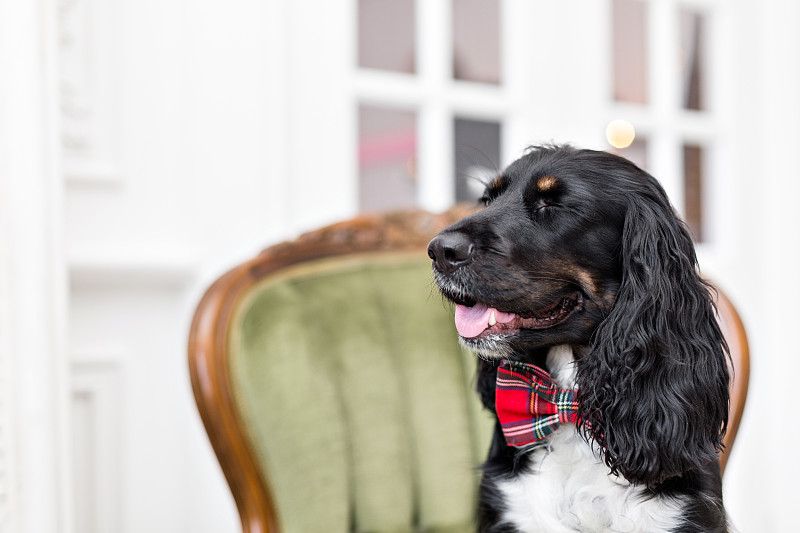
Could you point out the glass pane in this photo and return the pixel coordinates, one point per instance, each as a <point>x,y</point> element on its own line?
<point>386,35</point>
<point>692,60</point>
<point>477,157</point>
<point>476,40</point>
<point>387,148</point>
<point>693,189</point>
<point>630,51</point>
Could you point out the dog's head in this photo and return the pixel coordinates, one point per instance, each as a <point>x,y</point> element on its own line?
<point>545,249</point>
<point>583,248</point>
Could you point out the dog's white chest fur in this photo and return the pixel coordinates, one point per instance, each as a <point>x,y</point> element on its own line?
<point>567,487</point>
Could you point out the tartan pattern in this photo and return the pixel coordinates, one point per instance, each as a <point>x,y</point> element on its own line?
<point>529,405</point>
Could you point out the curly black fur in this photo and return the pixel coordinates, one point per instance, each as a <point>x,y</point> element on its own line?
<point>654,387</point>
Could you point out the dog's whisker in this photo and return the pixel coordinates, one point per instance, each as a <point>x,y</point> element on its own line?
<point>470,150</point>
<point>495,251</point>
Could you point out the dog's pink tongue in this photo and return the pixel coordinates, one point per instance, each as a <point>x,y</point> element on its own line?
<point>472,321</point>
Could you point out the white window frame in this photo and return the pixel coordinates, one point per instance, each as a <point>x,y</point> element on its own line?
<point>667,126</point>
<point>540,99</point>
<point>437,99</point>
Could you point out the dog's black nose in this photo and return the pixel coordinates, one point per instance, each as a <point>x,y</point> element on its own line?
<point>449,251</point>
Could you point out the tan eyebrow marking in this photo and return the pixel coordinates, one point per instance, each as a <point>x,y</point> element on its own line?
<point>587,281</point>
<point>546,183</point>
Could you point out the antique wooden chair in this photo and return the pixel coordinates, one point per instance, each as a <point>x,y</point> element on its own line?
<point>333,389</point>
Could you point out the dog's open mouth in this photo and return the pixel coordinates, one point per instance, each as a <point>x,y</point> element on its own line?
<point>474,321</point>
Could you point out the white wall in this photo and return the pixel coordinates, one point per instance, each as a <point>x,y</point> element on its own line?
<point>196,133</point>
<point>197,145</point>
<point>762,485</point>
<point>188,136</point>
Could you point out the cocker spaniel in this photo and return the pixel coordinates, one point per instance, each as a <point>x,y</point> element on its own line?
<point>599,350</point>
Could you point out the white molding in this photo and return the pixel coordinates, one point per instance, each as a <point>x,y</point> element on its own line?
<point>9,520</point>
<point>101,358</point>
<point>92,270</point>
<point>96,400</point>
<point>92,172</point>
<point>88,60</point>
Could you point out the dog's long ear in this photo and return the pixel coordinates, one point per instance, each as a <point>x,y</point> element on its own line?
<point>653,388</point>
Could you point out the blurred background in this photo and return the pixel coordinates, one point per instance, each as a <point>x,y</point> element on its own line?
<point>146,146</point>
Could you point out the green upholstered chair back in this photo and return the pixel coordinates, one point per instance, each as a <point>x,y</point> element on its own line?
<point>340,385</point>
<point>329,377</point>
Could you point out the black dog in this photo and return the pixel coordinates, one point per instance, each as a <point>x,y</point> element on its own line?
<point>579,267</point>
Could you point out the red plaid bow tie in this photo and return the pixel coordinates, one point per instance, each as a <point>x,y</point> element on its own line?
<point>529,404</point>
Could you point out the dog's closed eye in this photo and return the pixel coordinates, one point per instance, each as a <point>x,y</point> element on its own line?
<point>543,204</point>
<point>494,189</point>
